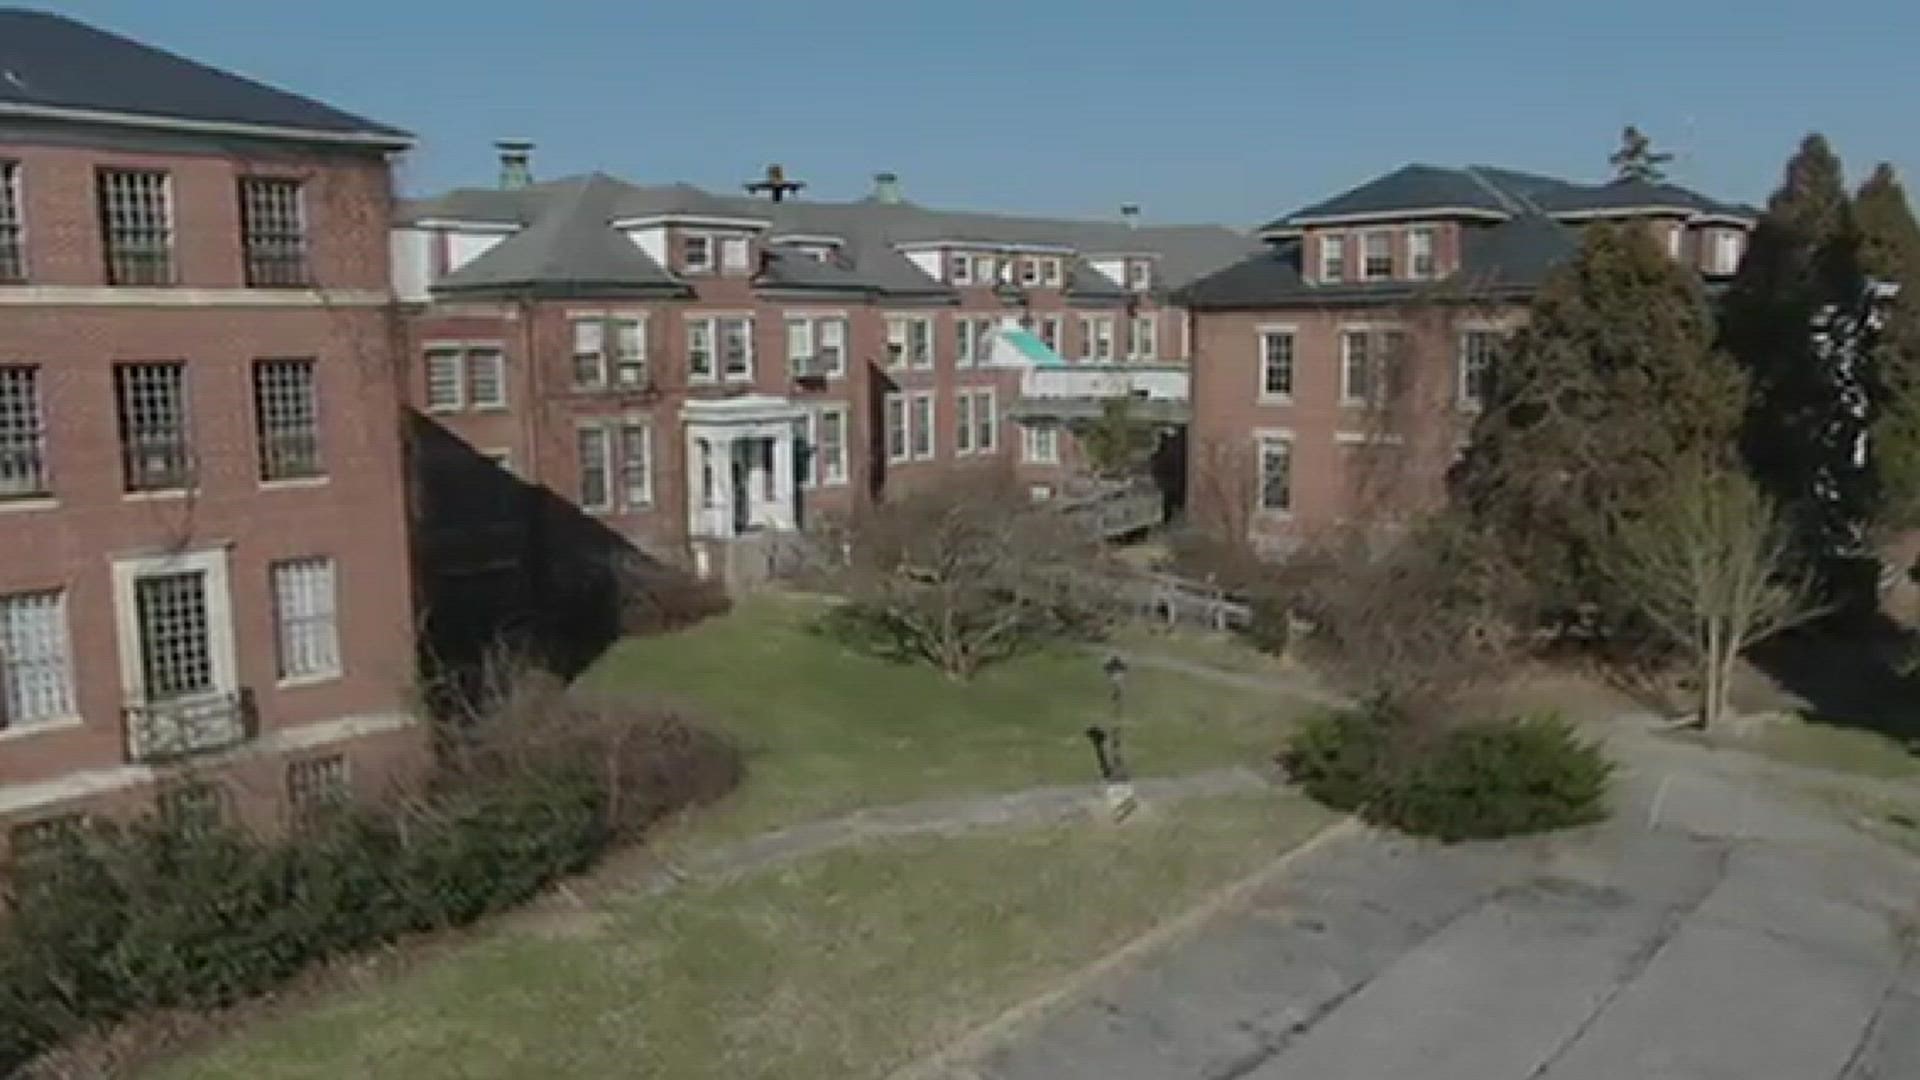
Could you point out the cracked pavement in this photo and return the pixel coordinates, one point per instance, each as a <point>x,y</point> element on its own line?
<point>1716,927</point>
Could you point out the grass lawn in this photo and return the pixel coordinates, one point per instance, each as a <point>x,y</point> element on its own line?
<point>844,966</point>
<point>1824,746</point>
<point>1226,651</point>
<point>828,730</point>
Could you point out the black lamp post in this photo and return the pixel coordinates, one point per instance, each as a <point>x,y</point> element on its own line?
<point>1107,747</point>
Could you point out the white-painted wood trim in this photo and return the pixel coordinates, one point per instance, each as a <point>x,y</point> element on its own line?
<point>185,296</point>
<point>128,570</point>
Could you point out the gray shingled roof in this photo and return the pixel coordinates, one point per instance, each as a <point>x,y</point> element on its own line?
<point>1508,259</point>
<point>50,63</point>
<point>869,232</point>
<point>568,246</point>
<point>1495,190</point>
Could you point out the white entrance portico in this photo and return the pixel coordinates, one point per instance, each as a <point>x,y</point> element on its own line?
<point>740,466</point>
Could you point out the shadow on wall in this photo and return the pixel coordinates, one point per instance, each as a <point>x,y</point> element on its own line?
<point>501,563</point>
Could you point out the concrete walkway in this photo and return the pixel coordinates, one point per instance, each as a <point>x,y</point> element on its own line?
<point>1714,928</point>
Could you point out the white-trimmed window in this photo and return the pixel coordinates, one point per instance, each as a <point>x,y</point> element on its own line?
<point>23,434</point>
<point>976,422</point>
<point>986,269</point>
<point>696,253</point>
<point>1477,349</point>
<point>963,423</point>
<point>1356,367</point>
<point>176,655</point>
<point>817,346</point>
<point>1050,327</point>
<point>136,223</point>
<point>1276,364</point>
<point>1050,272</point>
<point>823,458</point>
<point>636,464</point>
<point>1139,274</point>
<point>306,618</point>
<point>920,425</point>
<point>1096,337</point>
<point>1728,246</point>
<point>1420,258</point>
<point>486,378</point>
<point>273,231</point>
<point>1376,256</point>
<point>736,348</point>
<point>736,255</point>
<point>36,659</point>
<point>1040,444</point>
<point>466,377</point>
<point>1029,271</point>
<point>1333,257</point>
<point>1276,474</point>
<point>961,271</point>
<point>972,340</point>
<point>896,425</point>
<point>13,224</point>
<point>595,453</point>
<point>155,446</point>
<point>174,617</point>
<point>909,341</point>
<point>287,419</point>
<point>1676,238</point>
<point>316,785</point>
<point>589,353</point>
<point>700,349</point>
<point>630,365</point>
<point>446,382</point>
<point>1142,333</point>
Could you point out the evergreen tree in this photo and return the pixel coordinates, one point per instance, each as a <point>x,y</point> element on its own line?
<point>1792,320</point>
<point>1890,259</point>
<point>1637,159</point>
<point>1889,237</point>
<point>1614,378</point>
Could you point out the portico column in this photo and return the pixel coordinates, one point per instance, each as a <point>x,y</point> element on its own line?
<point>783,486</point>
<point>720,463</point>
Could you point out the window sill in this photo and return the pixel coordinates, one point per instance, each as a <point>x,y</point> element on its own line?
<point>1265,514</point>
<point>168,495</point>
<point>295,483</point>
<point>1274,399</point>
<point>41,727</point>
<point>491,410</point>
<point>445,410</point>
<point>27,506</point>
<point>294,682</point>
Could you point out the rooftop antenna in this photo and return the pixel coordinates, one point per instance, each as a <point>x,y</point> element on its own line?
<point>775,185</point>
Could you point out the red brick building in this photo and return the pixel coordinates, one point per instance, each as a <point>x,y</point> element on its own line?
<point>204,585</point>
<point>1336,374</point>
<point>699,374</point>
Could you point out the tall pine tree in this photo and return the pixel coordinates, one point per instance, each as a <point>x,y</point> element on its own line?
<point>1890,259</point>
<point>1613,379</point>
<point>1790,318</point>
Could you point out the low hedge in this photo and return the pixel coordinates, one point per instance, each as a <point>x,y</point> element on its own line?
<point>162,914</point>
<point>1480,780</point>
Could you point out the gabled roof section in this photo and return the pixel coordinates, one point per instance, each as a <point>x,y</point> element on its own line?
<point>1407,190</point>
<point>569,246</point>
<point>54,68</point>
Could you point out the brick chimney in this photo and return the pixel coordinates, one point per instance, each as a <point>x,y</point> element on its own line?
<point>516,163</point>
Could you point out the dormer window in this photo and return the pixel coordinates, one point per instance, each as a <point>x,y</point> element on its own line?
<point>962,270</point>
<point>1139,275</point>
<point>1378,264</point>
<point>1333,258</point>
<point>1727,249</point>
<point>1420,262</point>
<point>696,253</point>
<point>1050,272</point>
<point>985,270</point>
<point>736,255</point>
<point>1029,271</point>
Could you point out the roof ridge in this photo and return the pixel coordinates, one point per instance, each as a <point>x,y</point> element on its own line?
<point>1512,202</point>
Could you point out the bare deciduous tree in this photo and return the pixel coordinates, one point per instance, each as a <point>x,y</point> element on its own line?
<point>965,572</point>
<point>1708,560</point>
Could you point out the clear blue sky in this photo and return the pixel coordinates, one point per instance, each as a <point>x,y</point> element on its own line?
<point>1217,111</point>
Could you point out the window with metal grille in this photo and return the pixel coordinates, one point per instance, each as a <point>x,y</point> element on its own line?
<point>23,433</point>
<point>305,617</point>
<point>273,231</point>
<point>175,655</point>
<point>486,378</point>
<point>288,415</point>
<point>595,470</point>
<point>317,784</point>
<point>13,224</point>
<point>1276,474</point>
<point>36,659</point>
<point>154,445</point>
<point>194,807</point>
<point>136,220</point>
<point>446,385</point>
<point>1276,364</point>
<point>636,464</point>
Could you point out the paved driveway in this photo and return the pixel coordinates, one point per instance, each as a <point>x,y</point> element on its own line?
<point>1714,928</point>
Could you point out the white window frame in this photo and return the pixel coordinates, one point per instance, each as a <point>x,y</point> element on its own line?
<point>1346,336</point>
<point>708,262</point>
<point>813,331</point>
<point>597,326</point>
<point>1367,241</point>
<point>633,369</point>
<point>634,496</point>
<point>328,664</point>
<point>1029,270</point>
<point>1262,441</point>
<point>986,269</point>
<point>218,598</point>
<point>923,426</point>
<point>1333,257</point>
<point>58,699</point>
<point>609,474</point>
<point>706,327</point>
<point>1675,238</point>
<point>1139,274</point>
<point>1728,247</point>
<point>910,328</point>
<point>897,437</point>
<point>1050,272</point>
<point>1101,343</point>
<point>1415,255</point>
<point>1143,345</point>
<point>1040,444</point>
<point>1053,331</point>
<point>1462,396</point>
<point>736,255</point>
<point>1265,337</point>
<point>963,424</point>
<point>960,270</point>
<point>720,347</point>
<point>457,357</point>
<point>986,421</point>
<point>495,357</point>
<point>817,473</point>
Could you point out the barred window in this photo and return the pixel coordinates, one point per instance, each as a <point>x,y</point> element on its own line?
<point>306,618</point>
<point>636,464</point>
<point>36,659</point>
<point>23,433</point>
<point>13,224</point>
<point>273,231</point>
<point>596,491</point>
<point>288,416</point>
<point>317,784</point>
<point>1276,475</point>
<point>154,441</point>
<point>136,220</point>
<point>486,378</point>
<point>175,654</point>
<point>446,386</point>
<point>194,807</point>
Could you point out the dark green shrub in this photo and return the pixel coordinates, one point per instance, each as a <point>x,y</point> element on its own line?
<point>1270,624</point>
<point>1478,781</point>
<point>1486,781</point>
